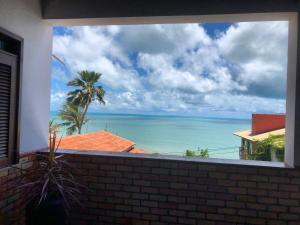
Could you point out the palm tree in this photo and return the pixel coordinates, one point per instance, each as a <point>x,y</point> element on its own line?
<point>72,115</point>
<point>87,90</point>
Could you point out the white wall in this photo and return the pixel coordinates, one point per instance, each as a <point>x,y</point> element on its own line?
<point>23,17</point>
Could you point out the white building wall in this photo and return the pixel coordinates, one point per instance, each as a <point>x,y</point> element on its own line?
<point>23,17</point>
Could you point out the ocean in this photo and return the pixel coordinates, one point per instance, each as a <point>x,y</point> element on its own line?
<point>172,135</point>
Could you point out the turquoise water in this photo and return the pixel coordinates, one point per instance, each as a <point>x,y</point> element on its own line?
<point>173,134</point>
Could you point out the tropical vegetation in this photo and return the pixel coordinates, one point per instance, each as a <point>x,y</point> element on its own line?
<point>53,182</point>
<point>269,149</point>
<point>203,153</point>
<point>87,90</point>
<point>72,116</point>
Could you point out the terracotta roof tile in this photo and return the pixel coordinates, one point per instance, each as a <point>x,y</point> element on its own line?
<point>137,150</point>
<point>97,141</point>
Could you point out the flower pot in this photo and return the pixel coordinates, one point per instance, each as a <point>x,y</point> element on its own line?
<point>49,212</point>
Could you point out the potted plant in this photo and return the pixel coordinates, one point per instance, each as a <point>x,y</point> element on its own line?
<point>50,185</point>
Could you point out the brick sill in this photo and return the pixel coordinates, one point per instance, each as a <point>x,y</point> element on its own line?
<point>178,158</point>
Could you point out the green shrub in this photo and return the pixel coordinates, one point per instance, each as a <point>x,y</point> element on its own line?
<point>265,148</point>
<point>203,153</point>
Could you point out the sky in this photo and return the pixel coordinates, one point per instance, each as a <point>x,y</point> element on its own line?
<point>210,69</point>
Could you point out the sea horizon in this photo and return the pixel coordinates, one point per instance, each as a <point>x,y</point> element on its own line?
<point>162,115</point>
<point>171,134</point>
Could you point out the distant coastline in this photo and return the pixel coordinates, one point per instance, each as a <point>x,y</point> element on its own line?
<point>163,134</point>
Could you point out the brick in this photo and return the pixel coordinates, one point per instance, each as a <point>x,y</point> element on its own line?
<point>140,209</point>
<point>235,204</point>
<point>173,212</point>
<point>267,200</point>
<point>268,186</point>
<point>160,171</point>
<point>178,185</point>
<point>3,172</point>
<point>247,184</point>
<point>256,206</point>
<point>239,177</point>
<point>289,202</point>
<point>187,193</point>
<point>227,183</point>
<point>279,194</point>
<point>295,195</point>
<point>257,192</point>
<point>223,196</point>
<point>124,168</point>
<point>187,207</point>
<point>289,187</point>
<point>283,180</point>
<point>206,167</point>
<point>295,210</point>
<point>215,217</point>
<point>134,202</point>
<point>159,211</point>
<point>176,199</point>
<point>227,211</point>
<point>187,221</point>
<point>295,181</point>
<point>169,219</point>
<point>131,188</point>
<point>196,215</point>
<point>289,216</point>
<point>258,178</point>
<point>149,203</point>
<point>235,190</point>
<point>218,175</point>
<point>150,217</point>
<point>160,198</point>
<point>247,212</point>
<point>235,219</point>
<point>180,172</point>
<point>215,202</point>
<point>257,221</point>
<point>278,208</point>
<point>113,187</point>
<point>140,196</point>
<point>146,183</point>
<point>267,215</point>
<point>121,194</point>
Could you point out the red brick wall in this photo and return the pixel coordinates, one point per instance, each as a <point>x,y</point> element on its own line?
<point>267,122</point>
<point>12,205</point>
<point>141,191</point>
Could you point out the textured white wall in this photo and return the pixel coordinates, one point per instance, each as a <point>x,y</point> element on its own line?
<point>23,17</point>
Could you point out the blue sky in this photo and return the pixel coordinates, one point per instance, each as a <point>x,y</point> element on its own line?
<point>211,69</point>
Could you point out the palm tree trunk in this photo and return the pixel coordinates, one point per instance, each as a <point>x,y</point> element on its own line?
<point>82,118</point>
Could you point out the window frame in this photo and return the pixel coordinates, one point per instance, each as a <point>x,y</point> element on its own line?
<point>16,44</point>
<point>292,143</point>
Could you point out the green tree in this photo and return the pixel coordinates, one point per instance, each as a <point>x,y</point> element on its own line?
<point>87,90</point>
<point>203,153</point>
<point>72,116</point>
<point>264,149</point>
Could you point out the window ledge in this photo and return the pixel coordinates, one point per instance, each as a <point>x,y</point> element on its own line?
<point>178,158</point>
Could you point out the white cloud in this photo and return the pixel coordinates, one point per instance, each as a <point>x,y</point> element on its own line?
<point>57,99</point>
<point>155,39</point>
<point>259,50</point>
<point>184,70</point>
<point>94,48</point>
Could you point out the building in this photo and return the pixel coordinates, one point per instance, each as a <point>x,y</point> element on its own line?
<point>140,189</point>
<point>263,125</point>
<point>98,141</point>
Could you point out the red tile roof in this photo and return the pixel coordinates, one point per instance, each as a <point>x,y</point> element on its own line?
<point>98,141</point>
<point>137,150</point>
